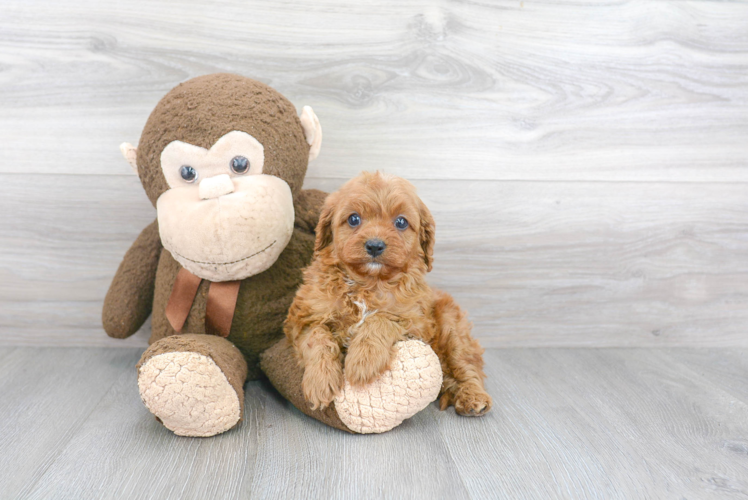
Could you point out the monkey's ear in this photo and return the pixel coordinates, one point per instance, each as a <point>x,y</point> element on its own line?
<point>324,226</point>
<point>130,153</point>
<point>312,131</point>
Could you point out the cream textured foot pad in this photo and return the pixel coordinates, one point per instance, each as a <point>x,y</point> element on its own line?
<point>410,386</point>
<point>189,393</point>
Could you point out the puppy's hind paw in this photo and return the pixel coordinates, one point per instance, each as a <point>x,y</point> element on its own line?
<point>470,402</point>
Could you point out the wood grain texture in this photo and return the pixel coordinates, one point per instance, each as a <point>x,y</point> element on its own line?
<point>624,423</point>
<point>437,89</point>
<point>586,264</point>
<point>567,423</point>
<point>728,369</point>
<point>141,459</point>
<point>46,395</point>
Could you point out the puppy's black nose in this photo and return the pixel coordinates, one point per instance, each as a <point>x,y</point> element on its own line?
<point>375,247</point>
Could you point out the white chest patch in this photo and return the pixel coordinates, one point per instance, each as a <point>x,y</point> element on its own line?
<point>365,312</point>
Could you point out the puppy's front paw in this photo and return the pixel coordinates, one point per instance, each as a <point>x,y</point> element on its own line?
<point>321,383</point>
<point>468,401</point>
<point>366,361</point>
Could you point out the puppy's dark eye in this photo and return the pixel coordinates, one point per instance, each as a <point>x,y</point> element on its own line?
<point>354,220</point>
<point>239,164</point>
<point>188,173</point>
<point>401,223</point>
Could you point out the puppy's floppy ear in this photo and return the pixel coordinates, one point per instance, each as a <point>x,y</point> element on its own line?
<point>427,234</point>
<point>324,226</point>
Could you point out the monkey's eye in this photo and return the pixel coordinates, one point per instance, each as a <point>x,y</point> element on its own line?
<point>354,220</point>
<point>188,173</point>
<point>401,223</point>
<point>239,164</point>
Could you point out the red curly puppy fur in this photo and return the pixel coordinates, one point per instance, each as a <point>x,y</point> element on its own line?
<point>366,290</point>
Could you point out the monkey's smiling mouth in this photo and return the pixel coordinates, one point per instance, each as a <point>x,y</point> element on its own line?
<point>226,263</point>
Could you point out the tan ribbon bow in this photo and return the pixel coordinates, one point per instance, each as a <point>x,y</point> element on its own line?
<point>219,312</point>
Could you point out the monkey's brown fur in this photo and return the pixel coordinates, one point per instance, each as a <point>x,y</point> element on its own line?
<point>199,112</point>
<point>327,324</point>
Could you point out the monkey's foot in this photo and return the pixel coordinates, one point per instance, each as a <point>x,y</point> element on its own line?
<point>193,384</point>
<point>411,384</point>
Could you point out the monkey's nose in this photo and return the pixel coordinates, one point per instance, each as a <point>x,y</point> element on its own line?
<point>375,247</point>
<point>213,187</point>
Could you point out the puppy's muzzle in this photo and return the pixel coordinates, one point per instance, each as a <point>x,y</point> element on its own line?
<point>375,247</point>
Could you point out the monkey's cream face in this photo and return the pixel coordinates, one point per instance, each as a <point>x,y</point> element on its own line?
<point>223,219</point>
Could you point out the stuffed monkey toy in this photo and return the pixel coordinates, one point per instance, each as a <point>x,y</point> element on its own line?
<point>223,159</point>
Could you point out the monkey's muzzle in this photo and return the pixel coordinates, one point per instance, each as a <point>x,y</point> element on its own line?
<point>228,229</point>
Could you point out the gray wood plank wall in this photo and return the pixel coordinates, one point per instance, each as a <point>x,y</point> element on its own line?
<point>586,162</point>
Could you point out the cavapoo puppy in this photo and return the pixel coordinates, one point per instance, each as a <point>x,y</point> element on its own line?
<point>366,289</point>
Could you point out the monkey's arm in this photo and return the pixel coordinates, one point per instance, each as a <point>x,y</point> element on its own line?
<point>130,297</point>
<point>308,204</point>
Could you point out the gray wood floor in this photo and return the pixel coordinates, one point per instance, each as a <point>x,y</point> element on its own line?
<point>568,423</point>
